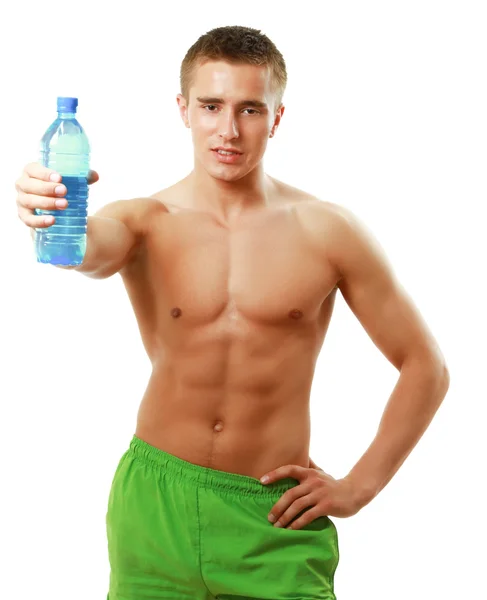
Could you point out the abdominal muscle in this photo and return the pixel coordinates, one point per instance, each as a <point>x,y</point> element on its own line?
<point>246,419</point>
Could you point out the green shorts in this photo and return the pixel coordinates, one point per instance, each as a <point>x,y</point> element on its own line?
<point>181,531</point>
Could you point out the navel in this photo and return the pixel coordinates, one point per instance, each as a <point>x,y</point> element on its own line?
<point>295,313</point>
<point>218,426</point>
<point>176,312</point>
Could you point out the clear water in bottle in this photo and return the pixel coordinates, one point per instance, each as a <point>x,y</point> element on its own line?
<point>64,148</point>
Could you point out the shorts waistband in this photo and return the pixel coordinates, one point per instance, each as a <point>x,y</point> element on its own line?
<point>205,476</point>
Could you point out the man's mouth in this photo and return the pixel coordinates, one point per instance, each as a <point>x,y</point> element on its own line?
<point>225,152</point>
<point>228,157</point>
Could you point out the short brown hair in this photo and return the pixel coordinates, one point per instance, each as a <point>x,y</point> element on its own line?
<point>235,44</point>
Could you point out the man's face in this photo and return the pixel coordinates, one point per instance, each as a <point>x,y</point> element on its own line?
<point>221,113</point>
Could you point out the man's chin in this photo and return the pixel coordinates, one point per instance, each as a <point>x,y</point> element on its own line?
<point>226,174</point>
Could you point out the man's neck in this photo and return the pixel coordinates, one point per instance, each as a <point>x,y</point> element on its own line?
<point>227,200</point>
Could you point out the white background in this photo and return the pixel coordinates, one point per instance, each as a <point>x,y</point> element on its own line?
<point>385,114</point>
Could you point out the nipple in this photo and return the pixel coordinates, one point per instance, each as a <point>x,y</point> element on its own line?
<point>176,312</point>
<point>295,313</point>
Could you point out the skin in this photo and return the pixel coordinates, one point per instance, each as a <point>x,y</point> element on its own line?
<point>232,275</point>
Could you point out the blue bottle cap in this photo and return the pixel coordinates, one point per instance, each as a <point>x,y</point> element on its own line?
<point>67,105</point>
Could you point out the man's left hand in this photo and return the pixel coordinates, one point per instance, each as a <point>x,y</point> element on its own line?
<point>327,496</point>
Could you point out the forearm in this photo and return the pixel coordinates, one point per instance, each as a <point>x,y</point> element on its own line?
<point>410,409</point>
<point>91,245</point>
<point>109,244</point>
<point>91,259</point>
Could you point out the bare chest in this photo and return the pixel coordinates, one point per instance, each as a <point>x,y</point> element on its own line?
<point>265,270</point>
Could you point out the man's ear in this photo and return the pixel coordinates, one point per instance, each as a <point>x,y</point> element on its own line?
<point>183,109</point>
<point>277,120</point>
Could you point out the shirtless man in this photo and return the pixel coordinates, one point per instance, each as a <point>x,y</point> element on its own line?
<point>232,275</point>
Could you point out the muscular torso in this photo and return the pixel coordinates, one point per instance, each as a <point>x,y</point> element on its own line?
<point>233,319</point>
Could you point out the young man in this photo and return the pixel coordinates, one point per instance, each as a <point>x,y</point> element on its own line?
<point>232,275</point>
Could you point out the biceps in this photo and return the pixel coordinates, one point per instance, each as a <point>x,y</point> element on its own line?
<point>377,298</point>
<point>110,245</point>
<point>117,245</point>
<point>388,315</point>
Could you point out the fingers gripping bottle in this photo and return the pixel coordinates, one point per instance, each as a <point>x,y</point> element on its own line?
<point>64,148</point>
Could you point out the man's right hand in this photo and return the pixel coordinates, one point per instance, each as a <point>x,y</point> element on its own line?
<point>113,232</point>
<point>36,188</point>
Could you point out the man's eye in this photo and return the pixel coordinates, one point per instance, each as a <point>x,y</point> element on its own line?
<point>252,110</point>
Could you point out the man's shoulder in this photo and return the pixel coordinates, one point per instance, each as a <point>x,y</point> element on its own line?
<point>317,214</point>
<point>331,227</point>
<point>304,200</point>
<point>135,213</point>
<point>341,235</point>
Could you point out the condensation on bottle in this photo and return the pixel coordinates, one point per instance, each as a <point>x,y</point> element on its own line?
<point>65,148</point>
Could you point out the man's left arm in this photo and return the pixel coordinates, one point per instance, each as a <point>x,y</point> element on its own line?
<point>387,313</point>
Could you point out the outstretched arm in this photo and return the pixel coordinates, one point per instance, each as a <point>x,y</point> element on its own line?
<point>112,239</point>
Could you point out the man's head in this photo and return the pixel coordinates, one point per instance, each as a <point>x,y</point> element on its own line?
<point>232,83</point>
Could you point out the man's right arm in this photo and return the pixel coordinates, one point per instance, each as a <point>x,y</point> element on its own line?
<point>113,238</point>
<point>113,233</point>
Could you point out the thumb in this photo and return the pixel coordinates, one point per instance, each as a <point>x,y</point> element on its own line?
<point>313,465</point>
<point>93,177</point>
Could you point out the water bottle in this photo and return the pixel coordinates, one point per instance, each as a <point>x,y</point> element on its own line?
<point>64,148</point>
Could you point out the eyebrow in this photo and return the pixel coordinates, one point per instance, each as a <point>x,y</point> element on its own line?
<point>211,100</point>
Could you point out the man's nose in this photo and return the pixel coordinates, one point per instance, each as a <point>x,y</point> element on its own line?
<point>227,126</point>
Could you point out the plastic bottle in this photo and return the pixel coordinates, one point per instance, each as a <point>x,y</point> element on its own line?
<point>64,148</point>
